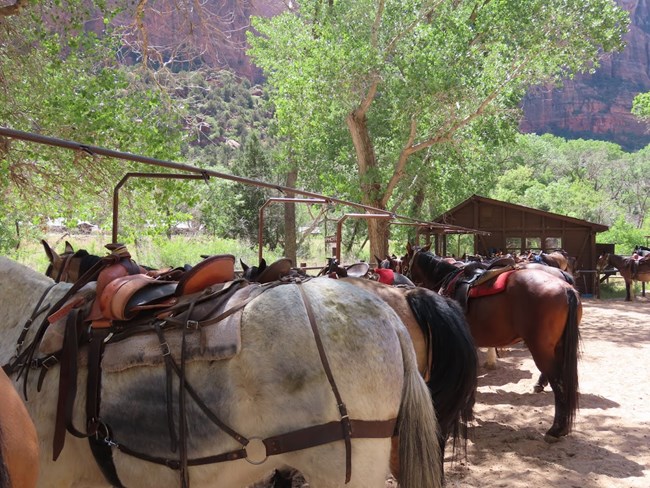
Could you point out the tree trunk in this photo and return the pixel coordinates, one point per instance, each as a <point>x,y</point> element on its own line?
<point>290,240</point>
<point>370,185</point>
<point>378,235</point>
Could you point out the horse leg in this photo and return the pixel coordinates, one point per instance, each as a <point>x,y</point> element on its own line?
<point>560,367</point>
<point>283,478</point>
<point>491,358</point>
<point>628,298</point>
<point>541,383</point>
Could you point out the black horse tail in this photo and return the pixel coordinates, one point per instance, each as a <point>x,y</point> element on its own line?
<point>453,376</point>
<point>5,482</point>
<point>571,353</point>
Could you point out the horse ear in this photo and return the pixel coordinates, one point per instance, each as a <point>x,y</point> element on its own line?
<point>69,248</point>
<point>426,248</point>
<point>51,253</point>
<point>378,260</point>
<point>244,266</point>
<point>409,249</point>
<point>262,265</point>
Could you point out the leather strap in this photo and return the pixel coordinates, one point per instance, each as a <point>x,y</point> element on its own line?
<point>345,419</point>
<point>67,382</point>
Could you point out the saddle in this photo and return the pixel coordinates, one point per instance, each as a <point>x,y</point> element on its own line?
<point>357,270</point>
<point>474,281</point>
<point>125,289</point>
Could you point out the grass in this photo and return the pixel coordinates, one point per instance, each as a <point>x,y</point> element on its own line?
<point>159,252</point>
<point>615,288</point>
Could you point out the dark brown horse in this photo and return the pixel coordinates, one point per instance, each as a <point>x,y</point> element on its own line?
<point>70,265</point>
<point>630,269</point>
<point>534,307</point>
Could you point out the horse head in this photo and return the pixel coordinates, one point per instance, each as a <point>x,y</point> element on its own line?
<point>69,266</point>
<point>602,263</point>
<point>411,251</point>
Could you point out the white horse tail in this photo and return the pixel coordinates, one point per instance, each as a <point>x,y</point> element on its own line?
<point>419,450</point>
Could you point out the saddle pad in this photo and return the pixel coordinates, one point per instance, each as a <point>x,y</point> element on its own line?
<point>491,287</point>
<point>386,275</point>
<point>213,342</point>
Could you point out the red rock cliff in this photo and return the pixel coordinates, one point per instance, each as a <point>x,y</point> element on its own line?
<point>598,106</point>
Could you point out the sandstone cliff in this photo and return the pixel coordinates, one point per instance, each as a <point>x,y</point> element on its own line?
<point>592,107</point>
<point>598,106</point>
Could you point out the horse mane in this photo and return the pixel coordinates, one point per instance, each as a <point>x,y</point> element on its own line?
<point>87,261</point>
<point>434,265</point>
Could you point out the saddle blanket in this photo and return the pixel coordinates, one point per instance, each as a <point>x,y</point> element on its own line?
<point>221,340</point>
<point>491,287</point>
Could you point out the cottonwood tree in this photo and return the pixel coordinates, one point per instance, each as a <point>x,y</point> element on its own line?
<point>396,93</point>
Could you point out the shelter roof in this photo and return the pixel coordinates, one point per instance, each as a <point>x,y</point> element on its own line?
<point>489,201</point>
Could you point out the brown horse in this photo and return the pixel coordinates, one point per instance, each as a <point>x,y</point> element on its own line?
<point>534,307</point>
<point>19,449</point>
<point>556,259</point>
<point>630,269</point>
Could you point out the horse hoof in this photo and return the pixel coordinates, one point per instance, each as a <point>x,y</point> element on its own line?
<point>490,365</point>
<point>538,388</point>
<point>551,439</point>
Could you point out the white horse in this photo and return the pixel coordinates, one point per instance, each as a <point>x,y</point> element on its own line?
<point>275,385</point>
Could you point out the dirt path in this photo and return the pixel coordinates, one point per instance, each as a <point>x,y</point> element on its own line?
<point>610,446</point>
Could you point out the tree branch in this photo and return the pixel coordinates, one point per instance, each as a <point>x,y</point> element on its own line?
<point>425,14</point>
<point>401,164</point>
<point>375,25</point>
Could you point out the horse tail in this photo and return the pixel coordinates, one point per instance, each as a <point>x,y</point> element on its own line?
<point>571,353</point>
<point>454,363</point>
<point>420,459</point>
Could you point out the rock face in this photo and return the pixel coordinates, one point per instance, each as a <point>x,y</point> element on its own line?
<point>591,106</point>
<point>598,106</point>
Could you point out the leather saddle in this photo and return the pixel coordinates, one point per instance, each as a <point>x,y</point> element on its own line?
<point>124,296</point>
<point>358,270</point>
<point>474,281</point>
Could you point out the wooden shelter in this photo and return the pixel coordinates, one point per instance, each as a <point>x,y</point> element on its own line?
<point>516,229</point>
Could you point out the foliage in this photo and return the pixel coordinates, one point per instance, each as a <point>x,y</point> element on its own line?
<point>67,84</point>
<point>589,180</point>
<point>624,235</point>
<point>232,209</point>
<point>421,86</point>
<point>641,106</point>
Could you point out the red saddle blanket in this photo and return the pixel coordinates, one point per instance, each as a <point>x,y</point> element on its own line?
<point>491,287</point>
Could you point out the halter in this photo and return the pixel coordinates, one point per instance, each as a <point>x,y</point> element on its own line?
<point>63,273</point>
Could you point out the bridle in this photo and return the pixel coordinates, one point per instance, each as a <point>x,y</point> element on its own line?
<point>64,270</point>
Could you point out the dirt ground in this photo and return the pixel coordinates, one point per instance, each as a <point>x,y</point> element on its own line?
<point>610,444</point>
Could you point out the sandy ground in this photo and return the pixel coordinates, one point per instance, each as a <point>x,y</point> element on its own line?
<point>610,444</point>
